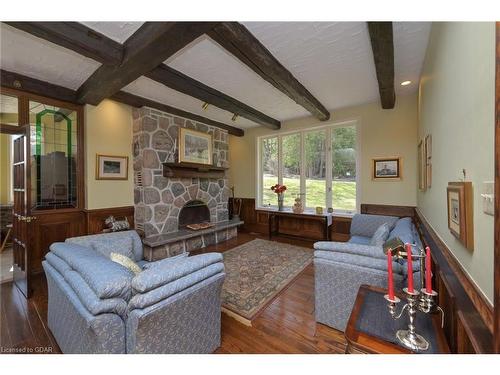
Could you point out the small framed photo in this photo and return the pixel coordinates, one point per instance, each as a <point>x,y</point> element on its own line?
<point>459,197</point>
<point>110,167</point>
<point>195,147</point>
<point>386,169</point>
<point>422,183</point>
<point>428,161</point>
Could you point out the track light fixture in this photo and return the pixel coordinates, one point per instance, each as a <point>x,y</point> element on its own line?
<point>235,116</point>
<point>205,106</point>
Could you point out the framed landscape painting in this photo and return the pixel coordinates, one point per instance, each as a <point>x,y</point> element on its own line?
<point>459,203</point>
<point>110,167</point>
<point>422,183</point>
<point>195,147</point>
<point>386,169</point>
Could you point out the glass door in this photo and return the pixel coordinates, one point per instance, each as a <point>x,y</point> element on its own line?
<point>54,156</point>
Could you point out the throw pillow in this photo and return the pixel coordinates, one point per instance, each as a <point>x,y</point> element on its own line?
<point>125,262</point>
<point>380,235</point>
<point>124,246</point>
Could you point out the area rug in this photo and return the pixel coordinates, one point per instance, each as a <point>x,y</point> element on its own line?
<point>256,272</point>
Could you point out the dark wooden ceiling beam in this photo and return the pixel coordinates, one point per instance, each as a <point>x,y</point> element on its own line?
<point>236,39</point>
<point>381,37</point>
<point>76,37</point>
<point>138,101</point>
<point>147,48</point>
<point>35,86</point>
<point>189,86</point>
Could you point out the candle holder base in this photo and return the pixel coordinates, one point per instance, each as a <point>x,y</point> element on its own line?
<point>412,340</point>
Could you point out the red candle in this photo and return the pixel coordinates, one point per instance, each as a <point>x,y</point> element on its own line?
<point>428,274</point>
<point>410,268</point>
<point>389,271</point>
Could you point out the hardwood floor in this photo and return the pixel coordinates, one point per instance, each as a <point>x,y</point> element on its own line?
<point>286,325</point>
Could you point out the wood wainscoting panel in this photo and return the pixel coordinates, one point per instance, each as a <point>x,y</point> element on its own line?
<point>53,227</point>
<point>446,300</point>
<point>382,209</point>
<point>470,316</point>
<point>95,218</point>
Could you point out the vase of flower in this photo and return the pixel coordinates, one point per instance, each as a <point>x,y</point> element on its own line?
<point>280,191</point>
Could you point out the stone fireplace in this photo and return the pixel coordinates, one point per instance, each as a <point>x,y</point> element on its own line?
<point>163,205</point>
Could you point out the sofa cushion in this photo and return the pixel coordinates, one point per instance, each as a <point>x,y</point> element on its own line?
<point>380,235</point>
<point>366,225</point>
<point>404,230</point>
<point>360,240</point>
<point>106,247</point>
<point>106,278</point>
<point>89,241</point>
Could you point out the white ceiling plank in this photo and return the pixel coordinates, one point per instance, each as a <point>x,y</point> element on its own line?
<point>209,63</point>
<point>28,55</point>
<point>118,31</point>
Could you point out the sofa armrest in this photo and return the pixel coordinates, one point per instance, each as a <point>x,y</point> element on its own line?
<point>358,260</point>
<point>165,273</point>
<point>351,248</point>
<point>205,275</point>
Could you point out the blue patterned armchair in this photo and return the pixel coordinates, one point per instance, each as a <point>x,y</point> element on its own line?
<point>98,306</point>
<point>342,267</point>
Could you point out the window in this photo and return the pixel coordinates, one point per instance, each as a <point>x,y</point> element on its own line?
<point>319,165</point>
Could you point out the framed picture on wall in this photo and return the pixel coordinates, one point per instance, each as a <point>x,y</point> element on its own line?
<point>386,169</point>
<point>195,147</point>
<point>109,167</point>
<point>460,224</point>
<point>428,161</point>
<point>422,185</point>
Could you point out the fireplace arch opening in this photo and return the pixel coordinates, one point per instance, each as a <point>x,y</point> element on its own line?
<point>194,212</point>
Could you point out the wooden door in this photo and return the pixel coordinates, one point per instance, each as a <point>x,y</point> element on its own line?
<point>21,216</point>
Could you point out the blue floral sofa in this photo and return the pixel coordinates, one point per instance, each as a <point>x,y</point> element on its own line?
<point>98,306</point>
<point>342,267</point>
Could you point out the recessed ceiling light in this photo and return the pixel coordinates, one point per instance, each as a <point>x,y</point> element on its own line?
<point>405,83</point>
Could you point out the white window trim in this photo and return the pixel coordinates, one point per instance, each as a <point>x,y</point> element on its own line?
<point>328,127</point>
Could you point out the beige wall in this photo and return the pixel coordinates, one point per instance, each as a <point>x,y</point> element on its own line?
<point>108,131</point>
<point>457,108</point>
<point>382,133</point>
<point>5,170</point>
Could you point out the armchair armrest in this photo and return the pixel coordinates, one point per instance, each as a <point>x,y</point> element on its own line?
<point>165,273</point>
<point>351,248</point>
<point>161,282</point>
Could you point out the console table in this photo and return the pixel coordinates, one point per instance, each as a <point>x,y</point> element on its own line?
<point>371,329</point>
<point>274,215</point>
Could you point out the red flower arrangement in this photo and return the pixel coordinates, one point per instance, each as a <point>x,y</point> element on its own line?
<point>278,189</point>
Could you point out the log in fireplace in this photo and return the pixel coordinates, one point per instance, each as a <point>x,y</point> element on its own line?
<point>194,212</point>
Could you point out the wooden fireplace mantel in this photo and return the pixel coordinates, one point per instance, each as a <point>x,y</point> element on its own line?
<point>193,170</point>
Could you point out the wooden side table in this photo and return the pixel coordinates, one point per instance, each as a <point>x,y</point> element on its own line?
<point>372,330</point>
<point>274,224</point>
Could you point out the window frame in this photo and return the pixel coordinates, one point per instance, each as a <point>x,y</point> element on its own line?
<point>328,157</point>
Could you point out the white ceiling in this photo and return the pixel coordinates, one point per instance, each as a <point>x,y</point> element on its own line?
<point>333,60</point>
<point>28,55</point>
<point>153,90</point>
<point>118,31</point>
